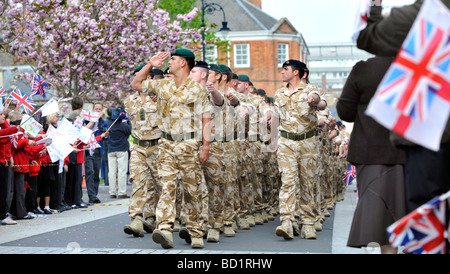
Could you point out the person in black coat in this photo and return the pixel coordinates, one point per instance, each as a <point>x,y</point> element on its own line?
<point>379,165</point>
<point>118,147</point>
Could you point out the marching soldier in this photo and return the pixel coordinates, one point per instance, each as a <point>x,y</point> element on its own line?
<point>295,117</point>
<point>231,152</point>
<point>141,110</point>
<point>185,112</point>
<point>246,109</point>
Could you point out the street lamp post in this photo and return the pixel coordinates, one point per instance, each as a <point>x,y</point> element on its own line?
<point>211,8</point>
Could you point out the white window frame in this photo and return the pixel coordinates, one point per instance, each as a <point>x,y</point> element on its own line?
<point>247,60</point>
<point>286,53</point>
<point>211,54</point>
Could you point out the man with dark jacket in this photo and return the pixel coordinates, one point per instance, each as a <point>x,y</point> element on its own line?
<point>427,172</point>
<point>118,147</point>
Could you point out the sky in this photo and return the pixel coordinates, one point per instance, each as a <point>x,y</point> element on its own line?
<point>320,21</point>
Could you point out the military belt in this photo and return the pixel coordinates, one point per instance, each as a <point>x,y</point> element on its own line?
<point>146,143</point>
<point>179,137</point>
<point>298,137</point>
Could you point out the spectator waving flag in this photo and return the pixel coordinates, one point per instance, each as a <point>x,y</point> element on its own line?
<point>413,99</point>
<point>22,100</point>
<point>38,86</point>
<point>349,175</point>
<point>422,231</point>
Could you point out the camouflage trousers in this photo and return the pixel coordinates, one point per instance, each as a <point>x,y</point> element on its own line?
<point>298,192</point>
<point>180,158</point>
<point>258,178</point>
<point>214,171</point>
<point>146,186</point>
<point>273,180</point>
<point>247,202</point>
<point>231,192</point>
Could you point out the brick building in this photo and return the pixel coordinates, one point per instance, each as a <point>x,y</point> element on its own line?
<point>260,44</point>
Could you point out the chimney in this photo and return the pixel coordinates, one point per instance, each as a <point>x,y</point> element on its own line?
<point>256,3</point>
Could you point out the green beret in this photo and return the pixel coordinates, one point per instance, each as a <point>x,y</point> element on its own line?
<point>224,68</point>
<point>138,69</point>
<point>201,64</point>
<point>294,63</point>
<point>183,53</point>
<point>270,99</point>
<point>157,71</point>
<point>243,78</point>
<point>215,67</point>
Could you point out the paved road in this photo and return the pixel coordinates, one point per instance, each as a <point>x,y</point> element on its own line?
<point>99,230</point>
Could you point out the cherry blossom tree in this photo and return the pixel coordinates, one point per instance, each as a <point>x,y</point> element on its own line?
<point>90,47</point>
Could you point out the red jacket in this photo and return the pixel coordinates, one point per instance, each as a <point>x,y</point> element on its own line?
<point>22,154</point>
<point>5,142</point>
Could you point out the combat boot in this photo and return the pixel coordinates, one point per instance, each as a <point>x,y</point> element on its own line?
<point>136,228</point>
<point>163,237</point>
<point>318,226</point>
<point>234,226</point>
<point>213,235</point>
<point>243,223</point>
<point>265,216</point>
<point>285,230</point>
<point>197,242</point>
<point>228,231</point>
<point>251,220</point>
<point>296,227</point>
<point>149,224</point>
<point>308,232</point>
<point>259,219</point>
<point>184,234</point>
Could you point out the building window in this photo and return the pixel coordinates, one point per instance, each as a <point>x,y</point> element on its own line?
<point>211,54</point>
<point>242,55</point>
<point>283,54</point>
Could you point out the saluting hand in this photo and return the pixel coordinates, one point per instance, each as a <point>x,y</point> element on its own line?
<point>158,60</point>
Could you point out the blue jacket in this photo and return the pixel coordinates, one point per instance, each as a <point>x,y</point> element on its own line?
<point>118,135</point>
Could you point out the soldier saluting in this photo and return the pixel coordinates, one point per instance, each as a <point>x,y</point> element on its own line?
<point>182,104</point>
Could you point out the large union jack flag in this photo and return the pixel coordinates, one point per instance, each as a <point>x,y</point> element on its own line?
<point>38,86</point>
<point>418,82</point>
<point>423,231</point>
<point>22,100</point>
<point>349,175</point>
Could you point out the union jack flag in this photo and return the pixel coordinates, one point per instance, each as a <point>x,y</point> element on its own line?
<point>14,140</point>
<point>90,116</point>
<point>349,175</point>
<point>38,85</point>
<point>2,92</point>
<point>93,144</point>
<point>78,123</point>
<point>418,82</point>
<point>22,100</point>
<point>422,231</point>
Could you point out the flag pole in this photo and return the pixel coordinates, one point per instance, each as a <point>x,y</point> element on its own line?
<point>112,124</point>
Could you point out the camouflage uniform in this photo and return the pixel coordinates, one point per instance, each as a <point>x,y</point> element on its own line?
<point>144,150</point>
<point>180,110</point>
<point>256,157</point>
<point>231,152</point>
<point>246,166</point>
<point>296,158</point>
<point>214,170</point>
